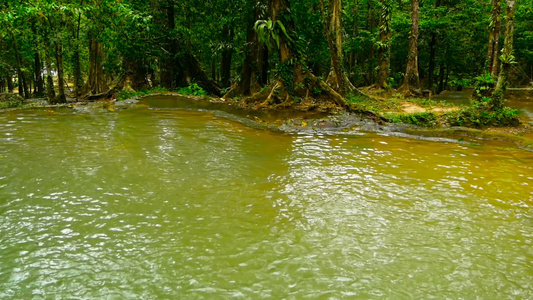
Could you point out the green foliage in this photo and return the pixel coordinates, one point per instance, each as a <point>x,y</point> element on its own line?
<point>390,83</point>
<point>360,102</point>
<point>285,71</point>
<point>459,83</point>
<point>139,32</point>
<point>193,89</point>
<point>158,89</point>
<point>423,119</point>
<point>10,101</point>
<point>484,85</point>
<point>263,89</point>
<point>480,115</point>
<point>270,33</point>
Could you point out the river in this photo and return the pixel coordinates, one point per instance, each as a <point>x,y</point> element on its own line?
<point>169,203</point>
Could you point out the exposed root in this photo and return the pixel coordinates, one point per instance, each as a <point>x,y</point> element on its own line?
<point>407,90</point>
<point>271,99</point>
<point>287,103</point>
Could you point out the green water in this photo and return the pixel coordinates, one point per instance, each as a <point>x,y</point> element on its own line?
<point>174,204</point>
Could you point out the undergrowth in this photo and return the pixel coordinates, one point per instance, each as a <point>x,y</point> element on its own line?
<point>193,89</point>
<point>478,115</point>
<point>422,119</point>
<point>486,108</point>
<point>360,102</point>
<point>10,101</point>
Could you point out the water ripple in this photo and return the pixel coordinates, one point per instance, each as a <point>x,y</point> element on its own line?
<point>165,204</point>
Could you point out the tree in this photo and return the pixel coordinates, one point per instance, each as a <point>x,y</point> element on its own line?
<point>180,67</point>
<point>507,58</point>
<point>494,38</point>
<point>385,35</point>
<point>294,78</point>
<point>333,29</point>
<point>255,64</point>
<point>411,82</point>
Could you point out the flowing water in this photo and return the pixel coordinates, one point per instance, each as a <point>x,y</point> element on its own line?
<point>175,204</point>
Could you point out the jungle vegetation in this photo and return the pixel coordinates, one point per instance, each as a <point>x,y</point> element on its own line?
<point>269,51</point>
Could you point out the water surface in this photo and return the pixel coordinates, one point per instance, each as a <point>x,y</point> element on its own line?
<point>164,203</point>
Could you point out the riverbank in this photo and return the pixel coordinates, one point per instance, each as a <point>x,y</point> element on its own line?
<point>332,120</point>
<point>410,118</point>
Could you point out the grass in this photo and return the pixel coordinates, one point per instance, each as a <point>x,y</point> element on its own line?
<point>377,106</point>
<point>424,119</point>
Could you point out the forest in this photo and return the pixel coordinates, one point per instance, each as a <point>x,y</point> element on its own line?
<point>266,149</point>
<point>272,52</point>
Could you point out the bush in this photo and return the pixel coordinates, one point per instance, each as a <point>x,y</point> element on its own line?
<point>424,119</point>
<point>10,100</point>
<point>479,116</point>
<point>484,85</point>
<point>193,89</point>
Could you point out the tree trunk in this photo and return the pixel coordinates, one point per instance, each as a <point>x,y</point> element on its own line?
<point>9,79</point>
<point>30,85</point>
<point>39,82</point>
<point>292,80</point>
<point>411,82</point>
<point>50,91</point>
<point>179,66</point>
<point>251,65</point>
<point>213,70</point>
<point>135,77</point>
<point>264,65</point>
<point>61,97</point>
<point>507,57</point>
<point>77,64</point>
<point>370,23</point>
<point>385,35</point>
<point>432,53</point>
<point>22,86</point>
<point>353,54</point>
<point>333,31</point>
<point>96,83</point>
<point>168,61</point>
<point>227,53</point>
<point>494,38</point>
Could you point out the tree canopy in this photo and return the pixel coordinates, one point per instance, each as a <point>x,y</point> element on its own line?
<point>91,47</point>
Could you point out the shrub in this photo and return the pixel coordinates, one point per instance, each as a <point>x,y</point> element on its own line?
<point>423,119</point>
<point>479,115</point>
<point>193,89</point>
<point>10,101</point>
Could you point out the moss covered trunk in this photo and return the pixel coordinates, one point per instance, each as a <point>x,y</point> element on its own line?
<point>507,58</point>
<point>385,35</point>
<point>494,38</point>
